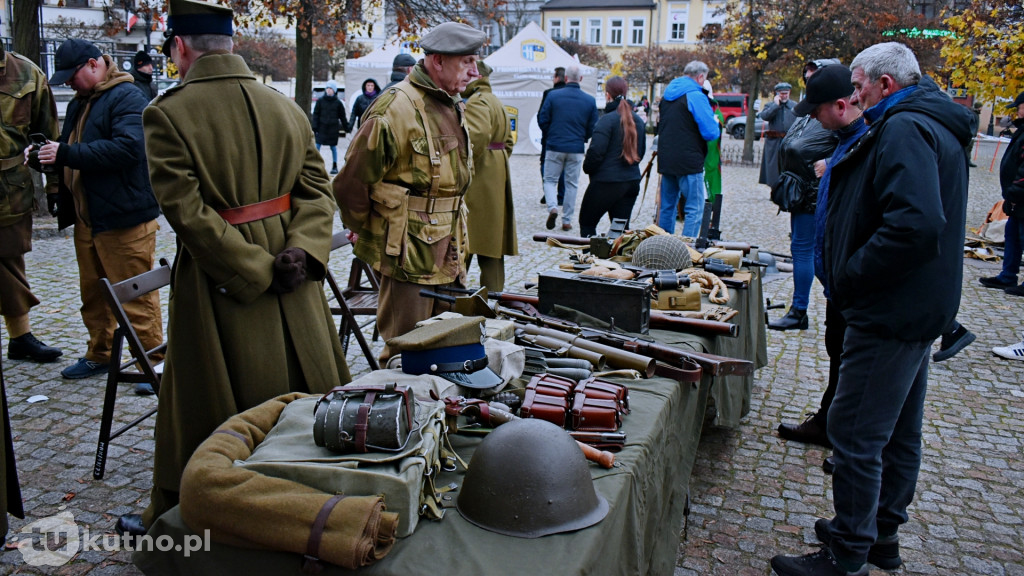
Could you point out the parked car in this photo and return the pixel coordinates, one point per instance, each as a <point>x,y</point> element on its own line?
<point>732,105</point>
<point>737,127</point>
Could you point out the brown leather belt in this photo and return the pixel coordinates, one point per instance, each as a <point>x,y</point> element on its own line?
<point>257,211</point>
<point>433,204</point>
<point>8,163</point>
<point>496,146</point>
<point>774,134</point>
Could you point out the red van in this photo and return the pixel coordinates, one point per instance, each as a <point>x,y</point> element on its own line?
<point>732,105</point>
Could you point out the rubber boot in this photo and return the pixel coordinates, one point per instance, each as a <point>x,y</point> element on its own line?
<point>793,320</point>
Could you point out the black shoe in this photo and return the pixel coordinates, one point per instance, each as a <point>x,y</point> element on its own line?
<point>828,465</point>
<point>884,553</point>
<point>807,432</point>
<point>130,524</point>
<point>1015,291</point>
<point>543,199</point>
<point>29,347</point>
<point>552,217</point>
<point>953,343</point>
<point>334,168</point>
<point>997,282</point>
<point>793,320</point>
<point>972,164</point>
<point>820,563</point>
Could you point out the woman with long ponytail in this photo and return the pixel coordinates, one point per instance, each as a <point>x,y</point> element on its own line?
<point>613,160</point>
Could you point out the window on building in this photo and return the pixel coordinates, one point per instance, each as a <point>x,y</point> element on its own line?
<point>714,12</point>
<point>678,18</point>
<point>593,31</point>
<point>76,3</point>
<point>637,27</point>
<point>615,32</point>
<point>555,28</point>
<point>574,29</point>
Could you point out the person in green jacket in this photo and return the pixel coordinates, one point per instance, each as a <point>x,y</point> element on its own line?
<point>492,219</point>
<point>248,320</point>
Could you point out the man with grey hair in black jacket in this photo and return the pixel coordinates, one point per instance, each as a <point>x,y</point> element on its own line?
<point>893,263</point>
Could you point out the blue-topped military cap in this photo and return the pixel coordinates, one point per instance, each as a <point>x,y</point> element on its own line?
<point>191,17</point>
<point>452,349</point>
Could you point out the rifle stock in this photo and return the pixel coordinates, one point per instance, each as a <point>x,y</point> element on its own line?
<point>572,240</point>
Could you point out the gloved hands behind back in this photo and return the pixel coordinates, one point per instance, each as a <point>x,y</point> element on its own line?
<point>289,271</point>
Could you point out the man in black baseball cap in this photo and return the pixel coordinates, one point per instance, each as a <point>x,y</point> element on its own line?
<point>826,85</point>
<point>71,56</point>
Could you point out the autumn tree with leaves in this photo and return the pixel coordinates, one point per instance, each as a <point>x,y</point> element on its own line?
<point>267,54</point>
<point>985,52</point>
<point>593,56</point>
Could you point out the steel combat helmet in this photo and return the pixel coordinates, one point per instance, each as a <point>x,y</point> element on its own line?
<point>528,479</point>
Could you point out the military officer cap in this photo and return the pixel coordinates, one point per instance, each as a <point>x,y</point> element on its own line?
<point>452,349</point>
<point>191,17</point>
<point>783,86</point>
<point>453,38</point>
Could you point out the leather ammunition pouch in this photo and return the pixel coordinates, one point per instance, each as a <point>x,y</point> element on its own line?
<point>547,398</point>
<point>376,417</point>
<point>598,405</point>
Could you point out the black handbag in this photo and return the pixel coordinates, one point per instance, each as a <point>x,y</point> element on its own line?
<point>364,419</point>
<point>788,192</point>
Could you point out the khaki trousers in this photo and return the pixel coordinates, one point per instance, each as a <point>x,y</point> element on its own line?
<point>400,307</point>
<point>15,295</point>
<point>116,255</point>
<point>492,272</point>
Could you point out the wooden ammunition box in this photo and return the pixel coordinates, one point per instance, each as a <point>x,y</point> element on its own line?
<point>624,303</point>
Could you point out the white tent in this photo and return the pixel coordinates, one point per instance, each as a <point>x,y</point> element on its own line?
<point>376,65</point>
<point>523,68</point>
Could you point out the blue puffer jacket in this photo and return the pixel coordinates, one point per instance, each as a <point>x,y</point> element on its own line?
<point>567,118</point>
<point>110,156</point>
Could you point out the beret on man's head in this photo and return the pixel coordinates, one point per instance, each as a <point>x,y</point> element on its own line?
<point>403,60</point>
<point>453,38</point>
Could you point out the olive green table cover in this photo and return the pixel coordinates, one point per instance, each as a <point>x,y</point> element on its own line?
<point>646,491</point>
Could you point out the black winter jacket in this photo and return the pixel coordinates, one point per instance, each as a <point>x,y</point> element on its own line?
<point>328,120</point>
<point>893,244</point>
<point>1011,173</point>
<point>604,162</point>
<point>111,159</point>
<point>806,142</point>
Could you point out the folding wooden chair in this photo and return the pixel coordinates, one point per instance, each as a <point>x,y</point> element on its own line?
<point>355,299</point>
<point>140,368</point>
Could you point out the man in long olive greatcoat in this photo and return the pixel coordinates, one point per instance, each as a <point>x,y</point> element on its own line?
<point>492,220</point>
<point>235,169</point>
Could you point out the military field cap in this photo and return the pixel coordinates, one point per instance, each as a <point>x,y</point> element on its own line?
<point>1018,101</point>
<point>483,68</point>
<point>783,86</point>
<point>827,85</point>
<point>453,38</point>
<point>142,58</point>
<point>452,349</point>
<point>71,55</point>
<point>189,17</point>
<point>403,60</point>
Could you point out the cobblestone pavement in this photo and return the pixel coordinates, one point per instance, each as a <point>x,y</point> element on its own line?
<point>753,495</point>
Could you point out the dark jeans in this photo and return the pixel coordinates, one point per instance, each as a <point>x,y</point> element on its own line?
<point>835,331</point>
<point>1012,249</point>
<point>613,198</point>
<point>875,427</point>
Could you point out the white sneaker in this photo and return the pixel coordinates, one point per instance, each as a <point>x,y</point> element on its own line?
<point>1012,352</point>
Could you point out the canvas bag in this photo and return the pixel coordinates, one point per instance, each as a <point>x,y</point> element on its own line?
<point>994,228</point>
<point>405,478</point>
